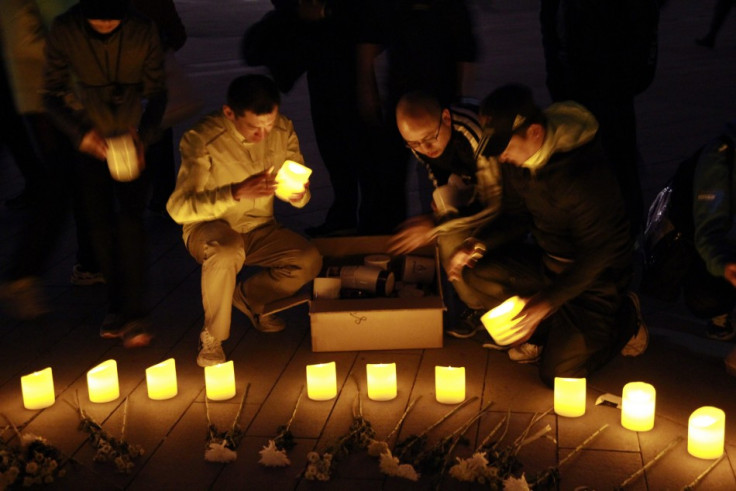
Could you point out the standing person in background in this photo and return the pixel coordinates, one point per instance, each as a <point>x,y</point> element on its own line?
<point>430,46</point>
<point>104,77</point>
<point>319,37</point>
<point>24,27</point>
<point>160,154</point>
<point>602,53</point>
<point>224,200</point>
<point>709,288</point>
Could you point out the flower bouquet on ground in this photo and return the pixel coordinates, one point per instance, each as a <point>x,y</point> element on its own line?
<point>359,436</point>
<point>273,454</point>
<point>498,467</point>
<point>222,446</point>
<point>401,463</point>
<point>436,459</point>
<point>108,448</point>
<point>389,464</point>
<point>33,461</point>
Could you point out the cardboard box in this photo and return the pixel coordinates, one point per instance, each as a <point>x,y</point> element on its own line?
<point>374,323</point>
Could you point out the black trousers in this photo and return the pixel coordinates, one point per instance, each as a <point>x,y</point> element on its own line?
<point>579,337</point>
<point>113,212</point>
<point>707,295</point>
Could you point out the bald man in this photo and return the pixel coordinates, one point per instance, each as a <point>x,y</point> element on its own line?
<point>466,189</point>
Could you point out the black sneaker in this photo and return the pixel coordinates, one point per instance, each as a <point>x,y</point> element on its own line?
<point>467,325</point>
<point>721,328</point>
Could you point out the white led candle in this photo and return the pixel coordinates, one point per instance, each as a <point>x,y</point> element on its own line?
<point>219,381</point>
<point>449,383</point>
<point>706,432</point>
<point>291,179</point>
<point>322,381</point>
<point>500,322</point>
<point>102,382</point>
<point>381,381</point>
<point>569,397</point>
<point>638,402</point>
<point>38,389</point>
<point>161,380</point>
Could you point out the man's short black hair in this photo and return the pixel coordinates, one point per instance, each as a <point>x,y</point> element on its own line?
<point>255,93</point>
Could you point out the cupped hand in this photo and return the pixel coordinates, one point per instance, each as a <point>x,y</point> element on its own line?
<point>413,234</point>
<point>256,186</point>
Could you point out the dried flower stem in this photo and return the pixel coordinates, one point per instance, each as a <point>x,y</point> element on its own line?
<point>411,441</point>
<point>296,406</point>
<point>461,431</point>
<point>582,445</point>
<point>661,454</point>
<point>694,483</point>
<point>240,408</point>
<point>125,419</point>
<point>12,425</point>
<point>447,415</point>
<point>490,435</point>
<point>402,418</point>
<point>522,439</point>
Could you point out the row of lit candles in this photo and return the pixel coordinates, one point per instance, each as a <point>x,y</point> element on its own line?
<point>706,426</point>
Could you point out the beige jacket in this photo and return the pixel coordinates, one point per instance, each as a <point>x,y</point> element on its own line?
<point>214,155</point>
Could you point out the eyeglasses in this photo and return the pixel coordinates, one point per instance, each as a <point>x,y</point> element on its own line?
<point>427,140</point>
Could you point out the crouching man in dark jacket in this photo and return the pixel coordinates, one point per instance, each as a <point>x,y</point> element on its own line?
<point>561,242</point>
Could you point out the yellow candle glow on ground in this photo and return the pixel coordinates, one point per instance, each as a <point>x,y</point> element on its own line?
<point>291,178</point>
<point>102,382</point>
<point>381,381</point>
<point>498,321</point>
<point>161,380</point>
<point>449,384</point>
<point>219,381</point>
<point>638,402</point>
<point>38,389</point>
<point>706,432</point>
<point>569,397</point>
<point>322,381</point>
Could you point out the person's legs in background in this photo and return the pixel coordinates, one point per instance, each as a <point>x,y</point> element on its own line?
<point>162,170</point>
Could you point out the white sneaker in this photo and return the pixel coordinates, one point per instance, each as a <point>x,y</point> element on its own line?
<point>210,350</point>
<point>264,323</point>
<point>525,353</point>
<point>639,342</point>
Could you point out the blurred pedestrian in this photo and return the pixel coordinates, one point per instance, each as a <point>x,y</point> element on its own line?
<point>103,62</point>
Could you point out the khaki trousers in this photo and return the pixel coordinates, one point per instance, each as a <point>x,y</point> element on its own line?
<point>289,261</point>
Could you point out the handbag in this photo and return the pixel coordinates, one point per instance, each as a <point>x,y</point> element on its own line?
<point>669,243</point>
<point>183,102</point>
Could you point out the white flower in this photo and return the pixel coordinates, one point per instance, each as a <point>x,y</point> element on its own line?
<point>28,438</point>
<point>271,456</point>
<point>390,466</point>
<point>376,448</point>
<point>513,484</point>
<point>473,469</point>
<point>218,452</point>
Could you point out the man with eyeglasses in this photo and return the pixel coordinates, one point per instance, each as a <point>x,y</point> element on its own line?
<point>466,193</point>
